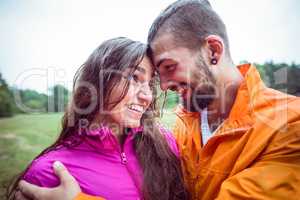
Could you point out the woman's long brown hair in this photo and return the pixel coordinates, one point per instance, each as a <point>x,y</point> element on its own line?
<point>162,176</point>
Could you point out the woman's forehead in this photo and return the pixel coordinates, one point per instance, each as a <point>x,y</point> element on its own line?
<point>144,68</point>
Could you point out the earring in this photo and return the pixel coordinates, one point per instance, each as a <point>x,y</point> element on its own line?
<point>214,61</point>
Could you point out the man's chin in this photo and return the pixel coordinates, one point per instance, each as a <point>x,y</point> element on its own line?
<point>197,106</point>
<point>200,99</point>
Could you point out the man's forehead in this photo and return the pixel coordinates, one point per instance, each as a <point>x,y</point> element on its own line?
<point>162,45</point>
<point>170,51</point>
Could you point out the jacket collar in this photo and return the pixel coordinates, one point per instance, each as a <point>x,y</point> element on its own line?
<point>104,131</point>
<point>104,139</point>
<point>240,116</point>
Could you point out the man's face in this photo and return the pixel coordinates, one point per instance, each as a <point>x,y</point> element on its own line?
<point>184,71</point>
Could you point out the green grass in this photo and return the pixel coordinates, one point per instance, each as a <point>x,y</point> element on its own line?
<point>24,136</point>
<point>21,138</point>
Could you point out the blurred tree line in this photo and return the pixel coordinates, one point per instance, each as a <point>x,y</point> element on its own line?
<point>13,100</point>
<point>280,76</point>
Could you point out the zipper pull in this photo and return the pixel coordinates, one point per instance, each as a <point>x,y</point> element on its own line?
<point>123,158</point>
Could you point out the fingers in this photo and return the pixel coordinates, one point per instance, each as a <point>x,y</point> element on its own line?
<point>20,196</point>
<point>29,190</point>
<point>61,171</point>
<point>69,187</point>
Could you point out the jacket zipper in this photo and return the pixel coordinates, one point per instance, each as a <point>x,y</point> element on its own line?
<point>124,161</point>
<point>123,158</point>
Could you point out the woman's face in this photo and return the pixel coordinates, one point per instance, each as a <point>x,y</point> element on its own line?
<point>128,112</point>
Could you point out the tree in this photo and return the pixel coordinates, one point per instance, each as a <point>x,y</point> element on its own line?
<point>6,102</point>
<point>58,99</point>
<point>281,76</point>
<point>172,99</point>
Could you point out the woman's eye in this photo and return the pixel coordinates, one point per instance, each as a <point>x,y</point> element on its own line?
<point>135,78</point>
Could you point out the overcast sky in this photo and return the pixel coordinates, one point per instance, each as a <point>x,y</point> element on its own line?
<point>52,38</point>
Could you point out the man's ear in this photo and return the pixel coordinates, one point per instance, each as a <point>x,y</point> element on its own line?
<point>216,48</point>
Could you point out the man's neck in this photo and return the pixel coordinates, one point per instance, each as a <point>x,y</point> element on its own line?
<point>220,108</point>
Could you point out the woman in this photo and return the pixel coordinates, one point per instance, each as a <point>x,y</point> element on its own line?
<point>110,141</point>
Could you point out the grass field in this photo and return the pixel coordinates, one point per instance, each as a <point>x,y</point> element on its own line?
<point>22,137</point>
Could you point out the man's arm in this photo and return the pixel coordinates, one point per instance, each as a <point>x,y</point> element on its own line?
<point>67,190</point>
<point>273,181</point>
<point>275,175</point>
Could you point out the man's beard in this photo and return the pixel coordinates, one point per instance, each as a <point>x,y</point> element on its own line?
<point>203,88</point>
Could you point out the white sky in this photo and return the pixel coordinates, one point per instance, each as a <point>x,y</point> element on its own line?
<point>52,38</point>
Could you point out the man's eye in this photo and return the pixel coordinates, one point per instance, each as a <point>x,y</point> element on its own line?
<point>170,67</point>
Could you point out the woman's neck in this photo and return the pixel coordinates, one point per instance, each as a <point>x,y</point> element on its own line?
<point>117,130</point>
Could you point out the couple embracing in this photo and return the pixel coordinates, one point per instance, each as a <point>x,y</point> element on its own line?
<point>234,138</point>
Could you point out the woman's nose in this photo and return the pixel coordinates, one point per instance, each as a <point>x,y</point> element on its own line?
<point>145,94</point>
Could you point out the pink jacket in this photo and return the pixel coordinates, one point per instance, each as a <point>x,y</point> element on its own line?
<point>99,164</point>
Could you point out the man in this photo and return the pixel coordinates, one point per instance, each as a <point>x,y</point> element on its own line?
<point>238,139</point>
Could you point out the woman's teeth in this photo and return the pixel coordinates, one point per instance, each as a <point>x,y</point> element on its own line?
<point>136,108</point>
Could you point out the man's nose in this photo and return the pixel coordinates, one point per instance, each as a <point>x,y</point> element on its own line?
<point>164,83</point>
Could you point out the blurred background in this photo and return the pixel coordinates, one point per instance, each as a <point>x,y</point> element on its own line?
<point>43,42</point>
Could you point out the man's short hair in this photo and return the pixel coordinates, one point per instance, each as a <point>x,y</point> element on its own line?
<point>189,22</point>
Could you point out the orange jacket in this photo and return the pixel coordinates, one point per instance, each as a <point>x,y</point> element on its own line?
<point>82,196</point>
<point>254,154</point>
